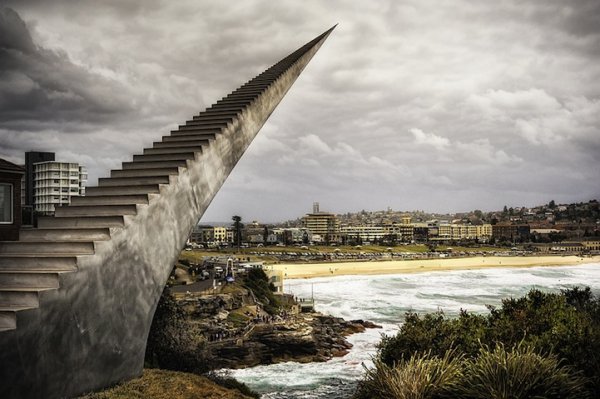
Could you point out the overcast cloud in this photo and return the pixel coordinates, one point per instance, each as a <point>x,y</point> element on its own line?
<point>441,106</point>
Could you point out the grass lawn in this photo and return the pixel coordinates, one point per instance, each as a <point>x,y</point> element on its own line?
<point>163,384</point>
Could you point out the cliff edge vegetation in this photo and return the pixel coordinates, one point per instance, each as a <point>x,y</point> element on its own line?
<point>540,345</point>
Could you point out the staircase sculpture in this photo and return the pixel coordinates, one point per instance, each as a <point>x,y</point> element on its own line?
<point>77,294</point>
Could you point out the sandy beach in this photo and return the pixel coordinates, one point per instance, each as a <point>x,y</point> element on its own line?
<point>308,270</point>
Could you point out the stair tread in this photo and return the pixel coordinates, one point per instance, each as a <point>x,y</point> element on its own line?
<point>112,221</point>
<point>179,144</point>
<point>84,200</point>
<point>26,289</point>
<point>15,308</point>
<point>51,255</point>
<point>165,157</point>
<point>171,150</point>
<point>126,178</point>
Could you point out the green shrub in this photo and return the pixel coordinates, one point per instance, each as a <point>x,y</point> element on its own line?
<point>258,282</point>
<point>566,324</point>
<point>420,377</point>
<point>173,342</point>
<point>434,333</point>
<point>226,381</point>
<point>519,374</point>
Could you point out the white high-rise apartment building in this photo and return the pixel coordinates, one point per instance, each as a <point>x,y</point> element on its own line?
<point>54,183</point>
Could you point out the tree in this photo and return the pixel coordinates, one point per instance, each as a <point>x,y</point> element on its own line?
<point>237,230</point>
<point>552,204</point>
<point>265,235</point>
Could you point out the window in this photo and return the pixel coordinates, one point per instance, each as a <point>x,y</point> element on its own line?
<point>6,205</point>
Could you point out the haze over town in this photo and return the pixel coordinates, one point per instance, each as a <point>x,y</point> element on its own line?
<point>415,105</point>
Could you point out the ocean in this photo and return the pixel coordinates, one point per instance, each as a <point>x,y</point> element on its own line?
<point>384,300</point>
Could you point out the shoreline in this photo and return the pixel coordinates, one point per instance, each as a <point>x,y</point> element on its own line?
<point>310,270</point>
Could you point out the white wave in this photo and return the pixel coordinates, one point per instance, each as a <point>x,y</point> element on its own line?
<point>385,299</point>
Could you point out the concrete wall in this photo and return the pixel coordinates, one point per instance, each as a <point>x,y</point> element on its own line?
<point>91,333</point>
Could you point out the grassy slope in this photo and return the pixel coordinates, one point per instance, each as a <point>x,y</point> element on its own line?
<point>163,384</point>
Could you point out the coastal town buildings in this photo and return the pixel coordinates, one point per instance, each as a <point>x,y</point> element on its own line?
<point>363,234</point>
<point>572,223</point>
<point>31,158</point>
<point>48,183</point>
<point>55,183</point>
<point>511,232</point>
<point>10,200</point>
<point>324,226</point>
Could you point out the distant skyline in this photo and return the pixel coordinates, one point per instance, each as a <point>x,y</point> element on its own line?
<point>445,107</point>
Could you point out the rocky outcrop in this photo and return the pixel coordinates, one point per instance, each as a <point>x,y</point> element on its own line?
<point>307,338</point>
<point>210,306</point>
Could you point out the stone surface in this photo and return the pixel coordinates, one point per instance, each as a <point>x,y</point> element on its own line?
<point>91,332</point>
<point>312,337</point>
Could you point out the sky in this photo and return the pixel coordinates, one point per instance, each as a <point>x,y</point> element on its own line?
<point>414,105</point>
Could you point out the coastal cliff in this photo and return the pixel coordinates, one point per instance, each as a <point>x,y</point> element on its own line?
<point>238,334</point>
<point>310,337</point>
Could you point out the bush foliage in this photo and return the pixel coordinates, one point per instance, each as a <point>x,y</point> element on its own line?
<point>546,330</point>
<point>173,342</point>
<point>258,282</point>
<point>520,373</point>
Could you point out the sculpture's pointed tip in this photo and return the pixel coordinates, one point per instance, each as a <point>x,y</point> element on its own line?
<point>328,31</point>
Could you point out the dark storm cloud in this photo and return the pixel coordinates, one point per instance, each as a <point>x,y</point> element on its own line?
<point>413,104</point>
<point>41,85</point>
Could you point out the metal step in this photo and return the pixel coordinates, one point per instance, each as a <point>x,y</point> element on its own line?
<point>236,100</point>
<point>171,150</point>
<point>33,263</point>
<point>113,199</point>
<point>29,280</point>
<point>181,143</point>
<point>242,96</point>
<point>230,104</point>
<point>210,119</point>
<point>8,320</point>
<point>211,114</point>
<point>223,110</point>
<point>258,83</point>
<point>51,222</point>
<point>129,190</point>
<point>145,172</point>
<point>57,247</point>
<point>188,137</point>
<point>217,123</point>
<point>133,181</point>
<point>197,129</point>
<point>94,210</point>
<point>247,91</point>
<point>164,157</point>
<point>154,164</point>
<point>204,126</point>
<point>18,300</point>
<point>98,234</point>
<point>194,132</point>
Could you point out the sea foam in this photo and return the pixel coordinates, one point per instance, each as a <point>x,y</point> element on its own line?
<point>385,299</point>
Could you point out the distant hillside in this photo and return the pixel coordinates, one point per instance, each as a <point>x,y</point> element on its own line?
<point>581,212</point>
